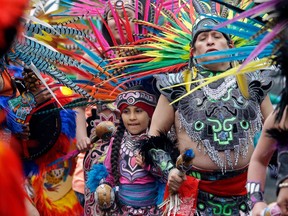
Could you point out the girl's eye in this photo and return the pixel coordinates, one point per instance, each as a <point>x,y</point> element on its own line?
<point>139,110</point>
<point>125,111</point>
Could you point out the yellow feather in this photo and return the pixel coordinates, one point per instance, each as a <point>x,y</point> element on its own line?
<point>187,78</point>
<point>44,37</point>
<point>250,67</point>
<point>243,85</point>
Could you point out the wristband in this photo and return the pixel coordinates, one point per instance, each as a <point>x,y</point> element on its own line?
<point>256,197</point>
<point>255,193</point>
<point>282,185</point>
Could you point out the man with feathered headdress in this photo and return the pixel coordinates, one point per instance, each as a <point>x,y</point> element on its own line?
<point>218,121</point>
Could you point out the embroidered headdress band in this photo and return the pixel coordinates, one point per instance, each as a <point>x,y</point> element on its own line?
<point>137,98</point>
<point>203,24</point>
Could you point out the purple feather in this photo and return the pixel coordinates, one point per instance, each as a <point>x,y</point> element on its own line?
<point>264,43</point>
<point>258,9</point>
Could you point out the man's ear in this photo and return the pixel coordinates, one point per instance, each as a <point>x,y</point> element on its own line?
<point>192,52</point>
<point>231,44</point>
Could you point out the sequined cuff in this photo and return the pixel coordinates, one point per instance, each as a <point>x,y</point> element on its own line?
<point>255,193</point>
<point>256,197</point>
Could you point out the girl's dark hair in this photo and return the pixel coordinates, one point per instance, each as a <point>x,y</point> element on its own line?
<point>116,151</point>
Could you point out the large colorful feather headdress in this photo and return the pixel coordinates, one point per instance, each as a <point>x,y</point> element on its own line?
<point>166,48</point>
<point>49,40</point>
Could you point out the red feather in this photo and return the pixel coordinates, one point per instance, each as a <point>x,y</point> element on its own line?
<point>12,194</point>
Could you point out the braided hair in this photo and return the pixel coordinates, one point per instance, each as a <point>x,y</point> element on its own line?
<point>116,150</point>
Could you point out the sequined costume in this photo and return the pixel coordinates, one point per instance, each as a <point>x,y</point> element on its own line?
<point>219,119</point>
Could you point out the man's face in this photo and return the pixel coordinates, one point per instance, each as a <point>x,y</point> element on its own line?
<point>208,42</point>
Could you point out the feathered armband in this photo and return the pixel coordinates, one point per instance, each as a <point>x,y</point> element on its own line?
<point>160,153</point>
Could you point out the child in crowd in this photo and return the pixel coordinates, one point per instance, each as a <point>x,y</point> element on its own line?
<point>136,183</point>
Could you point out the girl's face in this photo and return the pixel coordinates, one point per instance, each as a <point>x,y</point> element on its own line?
<point>113,25</point>
<point>135,119</point>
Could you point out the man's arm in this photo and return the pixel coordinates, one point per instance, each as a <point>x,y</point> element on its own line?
<point>163,117</point>
<point>266,107</point>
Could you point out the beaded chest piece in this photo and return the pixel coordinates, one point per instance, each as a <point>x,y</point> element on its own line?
<point>217,117</point>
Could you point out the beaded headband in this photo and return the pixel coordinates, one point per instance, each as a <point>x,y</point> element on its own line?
<point>135,96</point>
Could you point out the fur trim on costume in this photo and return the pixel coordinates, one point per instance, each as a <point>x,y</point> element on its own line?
<point>95,175</point>
<point>158,142</point>
<point>280,135</point>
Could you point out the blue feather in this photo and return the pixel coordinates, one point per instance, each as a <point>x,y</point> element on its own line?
<point>242,25</point>
<point>189,153</point>
<point>95,57</point>
<point>17,71</point>
<point>233,51</point>
<point>68,123</point>
<point>95,175</point>
<point>161,190</point>
<point>229,59</point>
<point>30,168</point>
